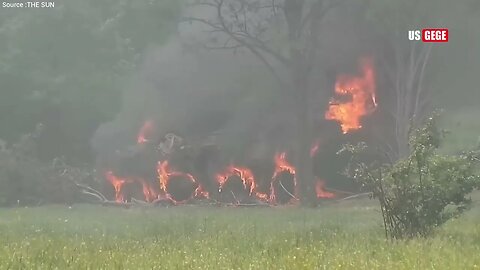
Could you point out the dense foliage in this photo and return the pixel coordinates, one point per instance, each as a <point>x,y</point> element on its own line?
<point>27,181</point>
<point>422,191</point>
<point>65,67</point>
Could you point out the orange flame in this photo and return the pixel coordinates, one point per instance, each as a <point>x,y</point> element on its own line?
<point>361,91</point>
<point>244,173</point>
<point>281,165</point>
<point>148,191</point>
<point>165,173</point>
<point>321,192</point>
<point>247,177</point>
<point>117,184</point>
<point>145,132</point>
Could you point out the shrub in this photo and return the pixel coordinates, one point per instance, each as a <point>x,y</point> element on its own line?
<point>421,191</point>
<point>27,181</point>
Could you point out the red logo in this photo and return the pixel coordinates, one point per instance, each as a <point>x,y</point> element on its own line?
<point>435,35</point>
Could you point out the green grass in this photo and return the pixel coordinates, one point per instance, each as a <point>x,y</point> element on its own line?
<point>463,127</point>
<point>338,236</point>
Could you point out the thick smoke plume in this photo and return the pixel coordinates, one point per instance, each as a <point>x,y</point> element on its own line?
<point>187,89</point>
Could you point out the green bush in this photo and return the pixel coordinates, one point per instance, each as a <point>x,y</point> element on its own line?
<point>421,191</point>
<point>27,181</point>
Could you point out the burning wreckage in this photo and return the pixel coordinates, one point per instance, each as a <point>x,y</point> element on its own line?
<point>174,172</point>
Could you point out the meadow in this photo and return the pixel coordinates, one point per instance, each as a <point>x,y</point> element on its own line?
<point>345,235</point>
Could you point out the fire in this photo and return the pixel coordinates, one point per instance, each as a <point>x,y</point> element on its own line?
<point>247,177</point>
<point>165,173</point>
<point>244,173</point>
<point>281,165</point>
<point>200,192</point>
<point>145,132</point>
<point>148,192</point>
<point>117,184</point>
<point>321,192</point>
<point>362,101</point>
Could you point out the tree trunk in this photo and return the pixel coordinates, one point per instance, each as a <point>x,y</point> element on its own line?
<point>304,137</point>
<point>300,92</point>
<point>304,163</point>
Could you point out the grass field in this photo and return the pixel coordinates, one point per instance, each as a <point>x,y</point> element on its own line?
<point>343,235</point>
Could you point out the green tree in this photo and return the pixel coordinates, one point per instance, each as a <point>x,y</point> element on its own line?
<point>65,67</point>
<point>423,190</point>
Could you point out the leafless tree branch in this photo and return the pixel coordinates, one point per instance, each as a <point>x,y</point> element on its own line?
<point>241,35</point>
<point>406,76</point>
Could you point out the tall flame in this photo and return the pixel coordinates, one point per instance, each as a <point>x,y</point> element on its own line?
<point>362,101</point>
<point>148,192</point>
<point>281,165</point>
<point>117,184</point>
<point>145,132</point>
<point>163,174</point>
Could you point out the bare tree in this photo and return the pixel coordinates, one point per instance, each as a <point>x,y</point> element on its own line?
<point>403,67</point>
<point>253,25</point>
<point>405,78</point>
